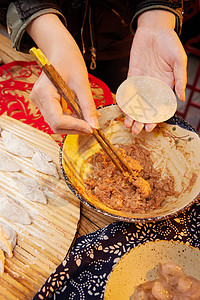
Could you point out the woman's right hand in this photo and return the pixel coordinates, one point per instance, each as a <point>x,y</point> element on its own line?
<point>62,51</point>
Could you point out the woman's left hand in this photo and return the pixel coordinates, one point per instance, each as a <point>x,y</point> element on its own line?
<point>157,52</point>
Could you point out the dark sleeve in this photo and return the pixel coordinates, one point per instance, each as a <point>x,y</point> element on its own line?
<point>176,7</point>
<point>26,8</point>
<point>3,10</point>
<point>21,13</point>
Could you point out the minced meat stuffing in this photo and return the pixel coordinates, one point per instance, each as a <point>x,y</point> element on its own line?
<point>112,188</point>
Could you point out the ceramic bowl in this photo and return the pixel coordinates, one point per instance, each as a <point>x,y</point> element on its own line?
<point>140,265</point>
<point>174,146</point>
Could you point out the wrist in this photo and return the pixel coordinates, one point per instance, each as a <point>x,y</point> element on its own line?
<point>157,19</point>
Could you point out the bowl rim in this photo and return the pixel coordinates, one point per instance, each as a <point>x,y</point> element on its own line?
<point>175,120</point>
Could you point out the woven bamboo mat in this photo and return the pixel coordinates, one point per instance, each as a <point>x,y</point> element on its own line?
<point>42,245</point>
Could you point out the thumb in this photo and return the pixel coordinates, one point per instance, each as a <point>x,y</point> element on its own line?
<point>180,76</point>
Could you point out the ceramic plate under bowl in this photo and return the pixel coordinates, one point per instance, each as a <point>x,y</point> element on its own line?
<point>140,265</point>
<point>174,149</point>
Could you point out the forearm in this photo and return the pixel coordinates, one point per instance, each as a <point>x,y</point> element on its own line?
<point>157,19</point>
<point>52,37</point>
<point>143,6</point>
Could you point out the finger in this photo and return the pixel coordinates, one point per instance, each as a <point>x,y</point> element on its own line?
<point>98,114</point>
<point>69,131</point>
<point>150,127</point>
<point>60,122</point>
<point>180,75</point>
<point>128,122</point>
<point>88,107</point>
<point>68,112</point>
<point>52,111</point>
<point>68,124</point>
<point>137,127</point>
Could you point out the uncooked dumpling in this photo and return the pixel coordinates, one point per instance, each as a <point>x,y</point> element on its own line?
<point>30,188</point>
<point>16,145</point>
<point>8,238</point>
<point>13,210</point>
<point>2,261</point>
<point>43,163</point>
<point>7,163</point>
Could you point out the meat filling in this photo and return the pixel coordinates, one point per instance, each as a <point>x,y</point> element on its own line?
<point>111,187</point>
<point>172,283</point>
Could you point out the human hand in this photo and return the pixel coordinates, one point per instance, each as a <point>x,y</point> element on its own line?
<point>60,48</point>
<point>157,52</point>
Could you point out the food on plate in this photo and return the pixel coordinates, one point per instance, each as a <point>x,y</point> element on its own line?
<point>16,145</point>
<point>2,261</point>
<point>112,188</point>
<point>44,164</point>
<point>171,283</point>
<point>8,238</point>
<point>30,188</point>
<point>7,163</point>
<point>13,210</point>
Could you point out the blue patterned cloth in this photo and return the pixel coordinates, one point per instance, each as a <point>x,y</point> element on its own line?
<point>83,275</point>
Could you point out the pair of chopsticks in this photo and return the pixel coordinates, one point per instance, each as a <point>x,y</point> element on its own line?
<point>72,101</point>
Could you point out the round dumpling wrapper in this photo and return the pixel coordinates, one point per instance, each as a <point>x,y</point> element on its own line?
<point>146,99</point>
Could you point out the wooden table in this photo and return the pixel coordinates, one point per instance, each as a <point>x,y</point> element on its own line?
<point>89,220</point>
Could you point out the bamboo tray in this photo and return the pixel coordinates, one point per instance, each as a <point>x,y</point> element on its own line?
<point>41,246</point>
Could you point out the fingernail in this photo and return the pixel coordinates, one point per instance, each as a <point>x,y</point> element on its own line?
<point>98,114</point>
<point>128,122</point>
<point>94,123</point>
<point>137,128</point>
<point>150,127</point>
<point>183,97</point>
<point>88,129</point>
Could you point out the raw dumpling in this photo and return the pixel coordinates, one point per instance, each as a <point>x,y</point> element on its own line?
<point>13,210</point>
<point>16,145</point>
<point>30,188</point>
<point>8,238</point>
<point>2,261</point>
<point>7,163</point>
<point>43,163</point>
